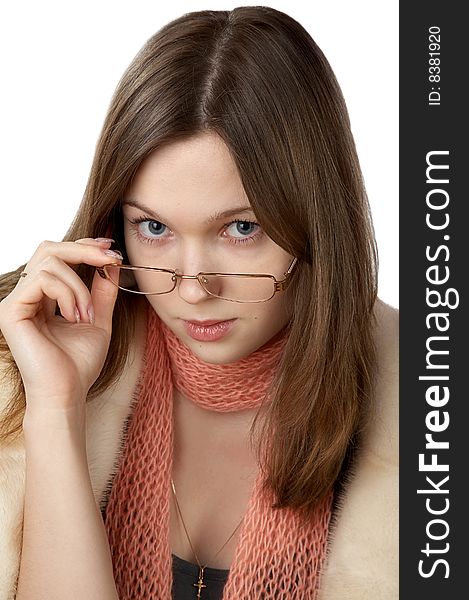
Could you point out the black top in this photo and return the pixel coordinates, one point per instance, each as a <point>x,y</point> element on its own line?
<point>186,574</point>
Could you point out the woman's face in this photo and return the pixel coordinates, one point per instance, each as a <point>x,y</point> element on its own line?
<point>183,186</point>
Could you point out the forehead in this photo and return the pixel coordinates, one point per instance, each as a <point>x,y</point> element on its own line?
<point>196,174</point>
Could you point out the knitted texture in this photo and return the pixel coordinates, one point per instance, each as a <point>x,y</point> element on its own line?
<point>278,554</point>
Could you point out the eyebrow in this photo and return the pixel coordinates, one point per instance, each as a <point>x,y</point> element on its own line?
<point>215,217</point>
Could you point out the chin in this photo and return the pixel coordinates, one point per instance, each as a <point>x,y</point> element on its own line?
<point>219,360</point>
<point>221,353</point>
<point>215,353</point>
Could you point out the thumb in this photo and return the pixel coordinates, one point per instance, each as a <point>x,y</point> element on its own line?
<point>103,298</point>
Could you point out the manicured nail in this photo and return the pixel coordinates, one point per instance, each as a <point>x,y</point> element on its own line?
<point>90,311</point>
<point>113,254</point>
<point>104,240</point>
<point>77,314</point>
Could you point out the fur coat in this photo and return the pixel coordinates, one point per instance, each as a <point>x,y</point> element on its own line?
<point>362,558</point>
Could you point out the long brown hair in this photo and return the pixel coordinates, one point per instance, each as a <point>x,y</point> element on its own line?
<point>255,77</point>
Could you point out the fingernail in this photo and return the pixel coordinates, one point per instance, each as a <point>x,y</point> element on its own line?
<point>104,240</point>
<point>90,311</point>
<point>113,254</point>
<point>77,314</point>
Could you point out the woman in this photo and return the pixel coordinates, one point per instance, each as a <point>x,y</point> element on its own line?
<point>253,458</point>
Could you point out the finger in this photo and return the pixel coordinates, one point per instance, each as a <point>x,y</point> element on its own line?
<point>50,306</point>
<point>103,298</point>
<point>70,252</point>
<point>27,303</point>
<point>104,242</point>
<point>26,293</point>
<point>21,321</point>
<point>95,241</point>
<point>57,266</point>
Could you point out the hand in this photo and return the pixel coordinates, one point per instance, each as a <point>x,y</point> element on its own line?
<point>59,358</point>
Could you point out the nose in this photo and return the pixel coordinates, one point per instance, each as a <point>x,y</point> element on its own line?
<point>190,290</point>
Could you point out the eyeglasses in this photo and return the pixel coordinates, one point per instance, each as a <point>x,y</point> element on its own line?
<point>234,287</point>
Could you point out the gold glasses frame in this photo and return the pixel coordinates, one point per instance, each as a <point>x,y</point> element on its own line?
<point>279,285</point>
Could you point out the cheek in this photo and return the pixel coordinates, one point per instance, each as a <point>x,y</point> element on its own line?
<point>161,304</point>
<point>280,304</point>
<point>273,315</point>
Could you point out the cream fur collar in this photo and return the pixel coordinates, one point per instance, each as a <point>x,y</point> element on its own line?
<point>362,562</point>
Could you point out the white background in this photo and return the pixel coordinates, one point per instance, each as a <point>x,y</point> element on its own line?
<point>61,61</point>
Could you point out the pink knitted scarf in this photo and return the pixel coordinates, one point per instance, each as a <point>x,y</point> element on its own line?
<point>278,555</point>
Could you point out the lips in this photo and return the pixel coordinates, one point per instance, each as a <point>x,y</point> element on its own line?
<point>208,331</point>
<point>209,322</point>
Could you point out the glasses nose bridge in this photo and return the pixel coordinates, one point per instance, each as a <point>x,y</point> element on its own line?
<point>182,276</point>
<point>198,277</point>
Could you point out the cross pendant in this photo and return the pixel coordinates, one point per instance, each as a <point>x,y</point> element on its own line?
<point>200,583</point>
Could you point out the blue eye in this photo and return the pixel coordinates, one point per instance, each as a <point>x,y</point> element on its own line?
<point>154,228</point>
<point>242,227</point>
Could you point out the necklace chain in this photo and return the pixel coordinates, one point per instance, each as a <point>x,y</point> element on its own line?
<point>200,584</point>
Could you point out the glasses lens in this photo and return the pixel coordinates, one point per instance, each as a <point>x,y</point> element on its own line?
<point>141,280</point>
<point>239,288</point>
